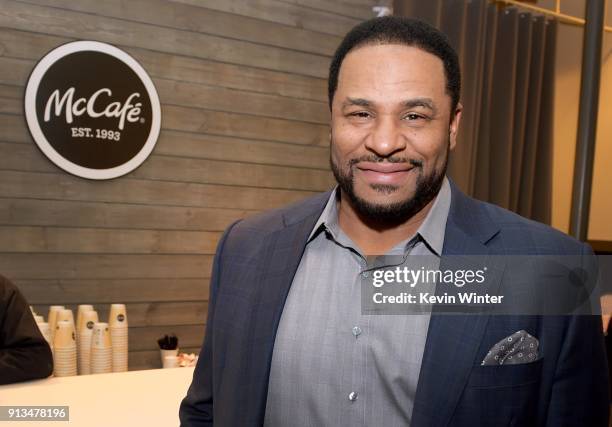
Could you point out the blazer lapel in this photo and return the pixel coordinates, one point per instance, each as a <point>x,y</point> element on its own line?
<point>453,339</point>
<point>283,254</point>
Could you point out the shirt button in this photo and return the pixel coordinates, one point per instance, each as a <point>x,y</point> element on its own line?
<point>352,396</point>
<point>356,331</point>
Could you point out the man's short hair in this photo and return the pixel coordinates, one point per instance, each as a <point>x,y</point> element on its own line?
<point>399,30</point>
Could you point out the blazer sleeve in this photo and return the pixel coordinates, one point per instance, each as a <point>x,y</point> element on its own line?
<point>24,353</point>
<point>580,393</point>
<point>196,409</point>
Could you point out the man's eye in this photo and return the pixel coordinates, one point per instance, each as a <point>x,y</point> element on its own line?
<point>360,114</point>
<point>413,116</point>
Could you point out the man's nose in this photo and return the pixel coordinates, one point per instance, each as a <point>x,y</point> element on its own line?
<point>386,137</point>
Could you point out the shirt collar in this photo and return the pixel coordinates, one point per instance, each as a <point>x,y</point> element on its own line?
<point>329,217</point>
<point>432,229</point>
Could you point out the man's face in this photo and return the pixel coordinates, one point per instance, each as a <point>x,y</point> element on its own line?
<point>392,129</point>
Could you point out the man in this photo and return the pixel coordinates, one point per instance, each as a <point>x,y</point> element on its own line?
<point>24,353</point>
<point>286,341</point>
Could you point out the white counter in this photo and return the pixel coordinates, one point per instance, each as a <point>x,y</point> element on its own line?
<point>148,398</point>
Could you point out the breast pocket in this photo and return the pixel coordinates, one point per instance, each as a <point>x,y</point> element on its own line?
<point>501,395</point>
<point>495,376</point>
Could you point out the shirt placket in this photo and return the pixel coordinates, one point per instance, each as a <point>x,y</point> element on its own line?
<point>355,396</point>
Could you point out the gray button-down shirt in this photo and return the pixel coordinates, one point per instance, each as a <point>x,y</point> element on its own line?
<point>332,365</point>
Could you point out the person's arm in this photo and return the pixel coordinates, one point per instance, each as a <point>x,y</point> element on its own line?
<point>24,353</point>
<point>581,394</point>
<point>197,407</point>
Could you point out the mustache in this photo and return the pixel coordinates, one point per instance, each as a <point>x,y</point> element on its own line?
<point>377,159</point>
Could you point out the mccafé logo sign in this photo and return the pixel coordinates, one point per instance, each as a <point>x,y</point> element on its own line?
<point>92,110</point>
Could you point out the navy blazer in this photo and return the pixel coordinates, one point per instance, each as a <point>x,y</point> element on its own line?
<point>254,267</point>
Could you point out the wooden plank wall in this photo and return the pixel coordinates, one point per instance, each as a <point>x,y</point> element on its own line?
<point>244,129</point>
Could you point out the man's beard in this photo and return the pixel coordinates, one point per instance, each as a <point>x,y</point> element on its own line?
<point>389,215</point>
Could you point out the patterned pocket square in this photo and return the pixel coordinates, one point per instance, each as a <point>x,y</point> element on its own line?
<point>520,347</point>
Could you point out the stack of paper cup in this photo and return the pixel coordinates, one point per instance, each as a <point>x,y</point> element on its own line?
<point>65,350</point>
<point>66,314</point>
<point>101,349</point>
<point>80,310</point>
<point>88,319</point>
<point>46,333</point>
<point>53,310</point>
<point>117,320</point>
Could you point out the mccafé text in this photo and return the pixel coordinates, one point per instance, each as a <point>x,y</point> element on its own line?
<point>58,104</point>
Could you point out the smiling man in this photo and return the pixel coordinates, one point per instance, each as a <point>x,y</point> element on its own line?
<point>393,125</point>
<point>287,343</point>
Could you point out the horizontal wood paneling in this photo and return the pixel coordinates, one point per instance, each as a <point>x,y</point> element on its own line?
<point>60,186</point>
<point>45,292</point>
<point>22,48</point>
<point>241,150</point>
<point>286,13</point>
<point>226,124</point>
<point>245,128</point>
<point>231,100</point>
<point>11,92</point>
<point>205,146</point>
<point>47,20</point>
<point>61,213</point>
<point>26,157</point>
<point>354,10</point>
<point>102,266</point>
<point>208,97</point>
<point>106,241</point>
<point>207,21</point>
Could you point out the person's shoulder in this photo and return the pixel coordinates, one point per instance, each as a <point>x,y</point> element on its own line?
<point>5,283</point>
<point>7,288</point>
<point>262,224</point>
<point>518,233</point>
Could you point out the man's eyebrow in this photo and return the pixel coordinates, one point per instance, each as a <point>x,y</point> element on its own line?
<point>357,101</point>
<point>409,103</point>
<point>420,102</point>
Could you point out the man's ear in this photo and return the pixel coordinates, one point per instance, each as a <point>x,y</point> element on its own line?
<point>454,125</point>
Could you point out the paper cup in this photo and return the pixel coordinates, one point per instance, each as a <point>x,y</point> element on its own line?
<point>88,319</point>
<point>101,336</point>
<point>101,360</point>
<point>117,317</point>
<point>101,350</point>
<point>80,310</point>
<point>171,362</point>
<point>165,353</point>
<point>118,323</point>
<point>66,314</point>
<point>64,335</point>
<point>65,350</point>
<point>53,310</point>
